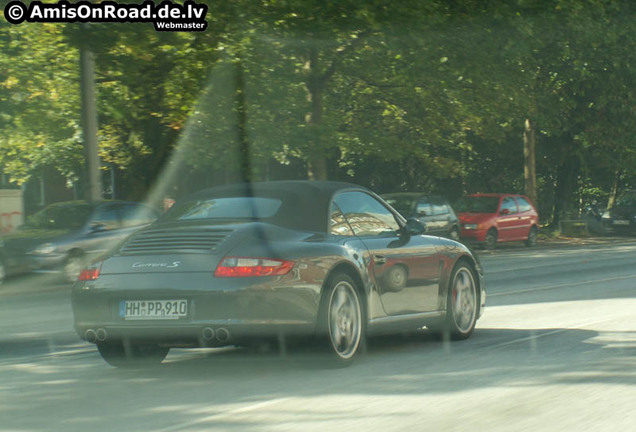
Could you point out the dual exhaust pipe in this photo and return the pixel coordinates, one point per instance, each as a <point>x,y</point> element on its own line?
<point>93,336</point>
<point>220,335</point>
<point>208,334</point>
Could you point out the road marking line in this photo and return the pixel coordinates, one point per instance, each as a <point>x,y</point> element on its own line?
<point>560,286</point>
<point>216,416</point>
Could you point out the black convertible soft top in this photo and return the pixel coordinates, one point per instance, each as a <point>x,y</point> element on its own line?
<point>305,204</point>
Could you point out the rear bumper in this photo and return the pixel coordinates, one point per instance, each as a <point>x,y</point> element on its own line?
<point>242,307</point>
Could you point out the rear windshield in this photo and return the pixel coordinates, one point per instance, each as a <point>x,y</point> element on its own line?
<point>226,208</point>
<point>473,204</point>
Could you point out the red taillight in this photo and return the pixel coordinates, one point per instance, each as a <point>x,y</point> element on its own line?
<point>248,267</point>
<point>90,274</point>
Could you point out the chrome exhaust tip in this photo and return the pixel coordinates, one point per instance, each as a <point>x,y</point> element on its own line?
<point>207,334</point>
<point>222,335</point>
<point>90,336</point>
<point>101,334</point>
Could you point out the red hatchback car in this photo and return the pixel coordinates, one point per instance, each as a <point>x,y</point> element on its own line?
<point>492,218</point>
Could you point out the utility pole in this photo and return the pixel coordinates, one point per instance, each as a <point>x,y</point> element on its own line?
<point>89,119</point>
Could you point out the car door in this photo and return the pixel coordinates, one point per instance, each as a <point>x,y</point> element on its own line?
<point>508,223</point>
<point>526,214</point>
<point>405,268</point>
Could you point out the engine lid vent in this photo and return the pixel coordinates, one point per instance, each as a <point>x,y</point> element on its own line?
<point>185,240</point>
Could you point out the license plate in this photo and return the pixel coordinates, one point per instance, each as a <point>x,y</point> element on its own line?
<point>620,222</point>
<point>153,309</point>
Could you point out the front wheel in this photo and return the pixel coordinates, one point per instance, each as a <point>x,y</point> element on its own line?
<point>490,242</point>
<point>124,354</point>
<point>343,318</point>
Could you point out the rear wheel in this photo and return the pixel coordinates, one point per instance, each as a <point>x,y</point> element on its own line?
<point>490,242</point>
<point>123,354</point>
<point>532,237</point>
<point>343,319</point>
<point>462,304</point>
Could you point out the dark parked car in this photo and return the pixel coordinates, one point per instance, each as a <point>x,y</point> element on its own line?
<point>65,235</point>
<point>434,211</point>
<point>621,218</point>
<point>236,264</point>
<point>492,218</point>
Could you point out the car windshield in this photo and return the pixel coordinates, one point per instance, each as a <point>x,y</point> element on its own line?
<point>403,204</point>
<point>60,217</point>
<point>226,208</point>
<point>477,204</point>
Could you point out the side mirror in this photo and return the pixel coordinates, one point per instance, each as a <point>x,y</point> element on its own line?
<point>415,227</point>
<point>505,212</point>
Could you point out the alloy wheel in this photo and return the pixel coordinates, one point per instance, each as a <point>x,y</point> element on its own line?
<point>345,320</point>
<point>464,300</point>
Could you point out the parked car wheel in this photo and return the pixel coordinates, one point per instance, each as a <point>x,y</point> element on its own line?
<point>118,354</point>
<point>343,319</point>
<point>490,242</point>
<point>532,237</point>
<point>455,234</point>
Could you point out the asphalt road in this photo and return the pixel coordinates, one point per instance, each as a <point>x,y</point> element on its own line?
<point>554,351</point>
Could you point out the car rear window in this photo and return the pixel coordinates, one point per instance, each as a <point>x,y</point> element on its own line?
<point>477,204</point>
<point>226,208</point>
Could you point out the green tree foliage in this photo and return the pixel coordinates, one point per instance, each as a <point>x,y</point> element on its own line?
<point>428,96</point>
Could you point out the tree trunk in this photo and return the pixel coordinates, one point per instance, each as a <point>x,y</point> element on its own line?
<point>614,191</point>
<point>89,122</point>
<point>529,169</point>
<point>241,123</point>
<point>316,158</point>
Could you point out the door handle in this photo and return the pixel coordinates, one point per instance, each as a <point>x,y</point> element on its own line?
<point>379,259</point>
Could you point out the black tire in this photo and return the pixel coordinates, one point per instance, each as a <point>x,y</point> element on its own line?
<point>490,242</point>
<point>342,319</point>
<point>130,355</point>
<point>73,265</point>
<point>462,304</point>
<point>532,237</point>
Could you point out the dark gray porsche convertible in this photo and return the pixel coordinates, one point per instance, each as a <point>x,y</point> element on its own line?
<point>233,264</point>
